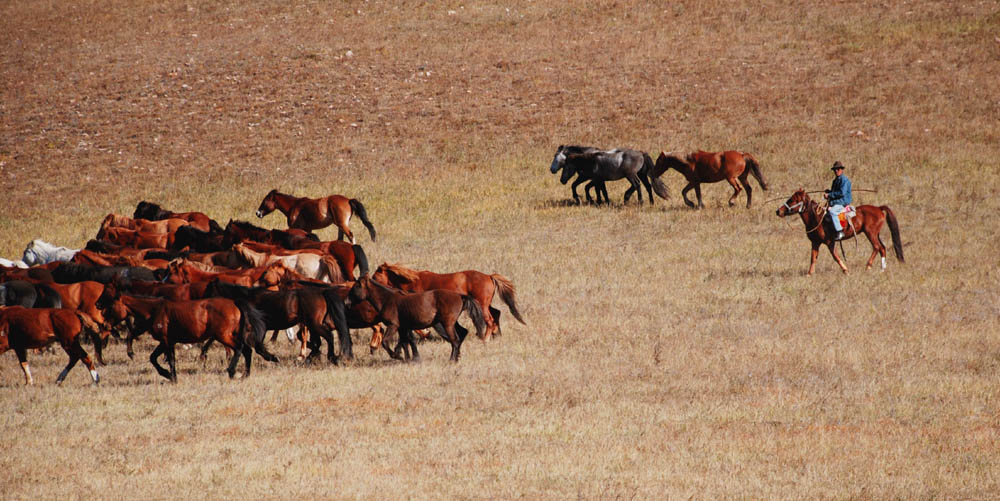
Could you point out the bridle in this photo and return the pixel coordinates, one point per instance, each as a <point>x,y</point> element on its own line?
<point>789,208</point>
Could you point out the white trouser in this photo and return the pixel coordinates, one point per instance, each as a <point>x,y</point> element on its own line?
<point>835,210</point>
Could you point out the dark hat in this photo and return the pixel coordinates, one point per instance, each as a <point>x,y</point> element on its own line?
<point>837,165</point>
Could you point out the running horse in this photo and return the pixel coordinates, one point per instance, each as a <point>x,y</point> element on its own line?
<point>23,328</point>
<point>480,286</point>
<point>404,312</point>
<point>712,167</point>
<point>314,213</point>
<point>868,220</point>
<point>611,165</point>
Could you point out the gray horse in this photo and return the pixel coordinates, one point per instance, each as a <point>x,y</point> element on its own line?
<point>600,166</point>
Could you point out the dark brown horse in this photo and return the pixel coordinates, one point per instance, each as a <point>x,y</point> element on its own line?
<point>314,213</point>
<point>23,328</point>
<point>320,309</point>
<point>404,312</point>
<point>480,286</point>
<point>868,220</point>
<point>712,167</point>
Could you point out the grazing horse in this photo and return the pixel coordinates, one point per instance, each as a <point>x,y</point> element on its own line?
<point>308,263</point>
<point>314,213</point>
<point>712,167</point>
<point>236,324</point>
<point>241,231</point>
<point>403,312</point>
<point>480,286</point>
<point>868,220</point>
<point>40,252</point>
<point>153,212</point>
<point>191,238</point>
<point>609,165</point>
<point>23,328</point>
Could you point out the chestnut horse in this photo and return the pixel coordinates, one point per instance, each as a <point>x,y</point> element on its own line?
<point>182,272</point>
<point>168,225</point>
<point>868,220</point>
<point>403,312</point>
<point>480,286</point>
<point>309,263</point>
<point>23,328</point>
<point>314,213</point>
<point>236,324</point>
<point>712,167</point>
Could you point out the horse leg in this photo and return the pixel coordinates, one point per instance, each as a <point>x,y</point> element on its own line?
<point>746,186</point>
<point>604,190</point>
<point>877,248</point>
<point>172,360</point>
<point>159,350</point>
<point>76,352</point>
<point>577,182</point>
<point>812,258</point>
<point>247,352</point>
<point>736,190</point>
<point>833,251</point>
<point>233,360</point>
<point>697,192</point>
<point>411,343</point>
<point>22,356</point>
<point>684,194</point>
<point>456,343</point>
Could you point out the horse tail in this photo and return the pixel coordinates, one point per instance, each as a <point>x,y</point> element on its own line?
<point>47,297</point>
<point>94,331</point>
<point>360,259</point>
<point>897,243</point>
<point>654,177</point>
<point>359,209</point>
<point>471,306</point>
<point>506,289</point>
<point>754,167</point>
<point>332,269</point>
<point>336,310</point>
<point>253,328</point>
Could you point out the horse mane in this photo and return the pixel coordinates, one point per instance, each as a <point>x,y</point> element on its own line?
<point>249,255</point>
<point>401,271</point>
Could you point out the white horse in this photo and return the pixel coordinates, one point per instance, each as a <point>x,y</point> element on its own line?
<point>41,252</point>
<point>7,263</point>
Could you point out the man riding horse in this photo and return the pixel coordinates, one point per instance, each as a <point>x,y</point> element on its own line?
<point>839,197</point>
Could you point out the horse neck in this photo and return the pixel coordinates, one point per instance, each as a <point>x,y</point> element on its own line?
<point>808,214</point>
<point>283,202</point>
<point>379,295</point>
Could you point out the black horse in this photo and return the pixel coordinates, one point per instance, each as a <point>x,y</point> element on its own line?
<point>611,165</point>
<point>29,295</point>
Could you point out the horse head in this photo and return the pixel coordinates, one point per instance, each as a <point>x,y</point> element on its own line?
<point>267,205</point>
<point>360,290</point>
<point>558,159</point>
<point>31,257</point>
<point>796,204</point>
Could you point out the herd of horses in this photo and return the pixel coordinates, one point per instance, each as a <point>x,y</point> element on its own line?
<point>597,166</point>
<point>183,278</point>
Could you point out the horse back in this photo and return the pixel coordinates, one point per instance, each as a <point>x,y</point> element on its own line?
<point>38,327</point>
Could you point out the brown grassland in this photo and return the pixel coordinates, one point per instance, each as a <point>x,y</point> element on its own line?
<point>667,352</point>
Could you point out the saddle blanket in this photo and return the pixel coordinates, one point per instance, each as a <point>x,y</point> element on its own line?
<point>844,216</point>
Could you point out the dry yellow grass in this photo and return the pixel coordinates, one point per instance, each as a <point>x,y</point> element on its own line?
<point>668,351</point>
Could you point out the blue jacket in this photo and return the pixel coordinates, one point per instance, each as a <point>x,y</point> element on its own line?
<point>840,191</point>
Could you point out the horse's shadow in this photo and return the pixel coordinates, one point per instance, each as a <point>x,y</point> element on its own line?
<point>617,206</point>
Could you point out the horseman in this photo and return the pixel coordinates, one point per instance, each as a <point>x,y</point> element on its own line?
<point>838,196</point>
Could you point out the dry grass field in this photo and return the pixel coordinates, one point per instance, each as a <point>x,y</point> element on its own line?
<point>668,352</point>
